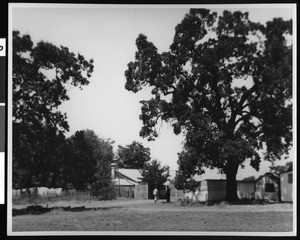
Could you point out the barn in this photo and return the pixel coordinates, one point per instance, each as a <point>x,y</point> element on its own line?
<point>267,187</point>
<point>128,183</point>
<point>286,185</point>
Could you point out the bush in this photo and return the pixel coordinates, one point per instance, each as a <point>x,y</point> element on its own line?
<point>187,202</point>
<point>105,193</point>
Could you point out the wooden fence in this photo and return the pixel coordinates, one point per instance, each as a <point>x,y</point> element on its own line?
<point>124,191</point>
<point>71,195</point>
<point>138,192</point>
<point>176,194</point>
<point>141,191</point>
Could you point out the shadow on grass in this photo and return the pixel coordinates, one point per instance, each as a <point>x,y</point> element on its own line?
<point>187,202</point>
<point>38,209</point>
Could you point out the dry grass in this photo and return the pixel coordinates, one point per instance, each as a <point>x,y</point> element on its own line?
<point>149,216</point>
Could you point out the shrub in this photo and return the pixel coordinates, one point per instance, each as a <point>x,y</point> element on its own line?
<point>104,193</point>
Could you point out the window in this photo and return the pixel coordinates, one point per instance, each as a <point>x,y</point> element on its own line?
<point>269,187</point>
<point>290,178</point>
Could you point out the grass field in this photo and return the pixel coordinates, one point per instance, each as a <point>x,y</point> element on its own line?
<point>148,216</point>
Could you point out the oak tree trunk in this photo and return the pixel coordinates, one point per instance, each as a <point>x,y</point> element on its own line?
<point>231,184</point>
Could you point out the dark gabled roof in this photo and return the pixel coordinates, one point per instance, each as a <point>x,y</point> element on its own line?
<point>289,168</point>
<point>249,179</point>
<point>246,181</point>
<point>216,180</point>
<point>280,169</point>
<point>271,175</point>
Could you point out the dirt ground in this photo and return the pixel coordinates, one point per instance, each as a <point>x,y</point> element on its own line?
<point>145,215</point>
<point>162,205</point>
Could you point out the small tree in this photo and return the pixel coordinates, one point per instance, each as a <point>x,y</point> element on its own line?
<point>134,155</point>
<point>181,182</point>
<point>155,175</point>
<point>87,161</point>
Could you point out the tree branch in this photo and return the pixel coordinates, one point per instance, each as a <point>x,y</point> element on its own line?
<point>247,114</point>
<point>235,111</point>
<point>166,92</point>
<point>245,96</point>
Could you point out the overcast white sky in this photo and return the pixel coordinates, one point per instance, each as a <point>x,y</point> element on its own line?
<point>108,35</point>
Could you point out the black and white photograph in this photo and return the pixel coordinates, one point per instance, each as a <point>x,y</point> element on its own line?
<point>162,119</point>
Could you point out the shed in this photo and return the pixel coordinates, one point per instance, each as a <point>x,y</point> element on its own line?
<point>215,189</point>
<point>246,189</point>
<point>211,189</point>
<point>286,185</point>
<point>267,187</point>
<point>128,183</point>
<point>125,181</point>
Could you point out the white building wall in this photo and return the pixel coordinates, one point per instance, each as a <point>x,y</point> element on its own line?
<point>197,196</point>
<point>245,189</point>
<point>286,188</point>
<point>260,191</point>
<point>216,195</point>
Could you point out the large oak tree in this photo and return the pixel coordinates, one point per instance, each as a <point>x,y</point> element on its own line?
<point>226,84</point>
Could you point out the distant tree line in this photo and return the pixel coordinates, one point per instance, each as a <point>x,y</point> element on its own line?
<point>42,154</point>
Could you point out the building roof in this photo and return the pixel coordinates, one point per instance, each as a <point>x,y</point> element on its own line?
<point>210,174</point>
<point>249,179</point>
<point>124,182</point>
<point>132,175</point>
<point>289,167</point>
<point>273,176</point>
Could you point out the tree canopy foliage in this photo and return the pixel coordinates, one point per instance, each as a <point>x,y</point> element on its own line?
<point>154,174</point>
<point>134,155</point>
<point>279,169</point>
<point>42,74</point>
<point>182,182</point>
<point>226,84</point>
<point>87,161</point>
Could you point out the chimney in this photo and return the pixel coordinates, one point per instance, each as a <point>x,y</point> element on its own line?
<point>113,173</point>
